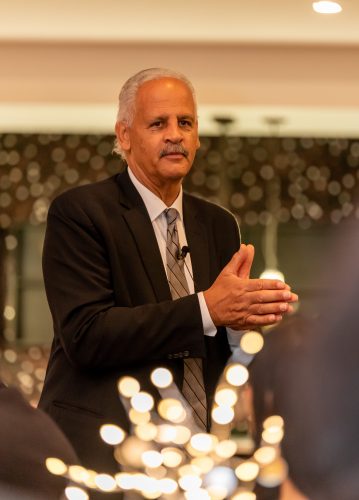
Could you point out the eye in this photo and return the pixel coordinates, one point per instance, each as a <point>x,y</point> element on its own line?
<point>185,123</point>
<point>156,124</point>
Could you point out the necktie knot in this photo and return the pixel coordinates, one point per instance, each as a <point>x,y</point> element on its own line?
<point>171,216</point>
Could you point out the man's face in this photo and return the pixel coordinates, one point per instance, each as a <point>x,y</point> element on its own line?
<point>162,140</point>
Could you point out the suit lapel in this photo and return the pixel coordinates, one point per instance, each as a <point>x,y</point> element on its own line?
<point>139,224</point>
<point>197,239</point>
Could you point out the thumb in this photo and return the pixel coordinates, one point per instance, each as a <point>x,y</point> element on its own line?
<point>245,268</point>
<point>237,261</point>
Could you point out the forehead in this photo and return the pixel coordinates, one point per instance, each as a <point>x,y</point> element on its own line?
<point>165,95</point>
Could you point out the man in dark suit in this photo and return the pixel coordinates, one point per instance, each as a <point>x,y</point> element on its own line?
<point>105,271</point>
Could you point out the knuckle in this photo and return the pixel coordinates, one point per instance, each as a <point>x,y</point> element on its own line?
<point>260,284</point>
<point>260,309</point>
<point>260,298</point>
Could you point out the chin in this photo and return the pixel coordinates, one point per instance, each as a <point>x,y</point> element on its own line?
<point>176,170</point>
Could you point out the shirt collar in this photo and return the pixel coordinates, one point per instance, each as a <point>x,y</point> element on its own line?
<point>154,205</point>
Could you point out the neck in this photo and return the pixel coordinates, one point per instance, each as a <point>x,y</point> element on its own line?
<point>166,191</point>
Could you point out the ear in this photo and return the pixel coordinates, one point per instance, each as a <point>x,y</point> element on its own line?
<point>198,145</point>
<point>123,136</point>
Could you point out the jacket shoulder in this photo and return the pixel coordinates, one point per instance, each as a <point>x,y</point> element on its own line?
<point>86,197</point>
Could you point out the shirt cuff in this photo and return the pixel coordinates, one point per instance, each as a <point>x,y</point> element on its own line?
<point>209,328</point>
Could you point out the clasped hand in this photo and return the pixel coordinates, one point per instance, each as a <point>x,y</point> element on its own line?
<point>238,302</point>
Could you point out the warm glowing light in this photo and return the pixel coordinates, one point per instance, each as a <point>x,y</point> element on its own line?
<point>75,493</point>
<point>226,448</point>
<point>143,482</point>
<point>161,377</point>
<point>152,458</point>
<point>220,482</point>
<point>274,474</point>
<point>90,479</point>
<point>147,432</point>
<point>247,471</point>
<point>56,466</point>
<point>10,242</point>
<point>251,342</point>
<point>272,274</point>
<point>182,434</point>
<point>204,443</point>
<point>273,421</point>
<point>217,492</point>
<point>166,433</point>
<point>244,495</point>
<point>223,414</point>
<point>130,451</point>
<point>326,7</point>
<point>177,434</point>
<point>226,397</point>
<point>156,472</point>
<point>204,464</point>
<point>237,374</point>
<point>112,434</point>
<point>125,481</point>
<point>148,486</point>
<point>10,356</point>
<point>273,435</point>
<point>105,482</point>
<point>189,470</point>
<point>139,418</point>
<point>167,486</point>
<point>171,409</point>
<point>128,386</point>
<point>190,482</point>
<point>9,313</point>
<point>142,402</point>
<point>78,474</point>
<point>265,455</point>
<point>197,494</point>
<point>172,457</point>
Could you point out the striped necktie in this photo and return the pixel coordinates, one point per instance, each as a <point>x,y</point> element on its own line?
<point>193,384</point>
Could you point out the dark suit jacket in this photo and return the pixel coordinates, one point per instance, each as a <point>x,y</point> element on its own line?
<point>112,308</point>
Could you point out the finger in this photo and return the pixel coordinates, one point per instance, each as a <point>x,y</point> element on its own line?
<point>255,320</point>
<point>245,267</point>
<point>267,284</point>
<point>254,297</point>
<point>278,308</point>
<point>236,261</point>
<point>294,298</point>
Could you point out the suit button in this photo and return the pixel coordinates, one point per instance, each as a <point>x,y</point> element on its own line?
<point>185,354</point>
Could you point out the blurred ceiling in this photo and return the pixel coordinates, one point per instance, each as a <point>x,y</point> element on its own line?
<point>255,61</point>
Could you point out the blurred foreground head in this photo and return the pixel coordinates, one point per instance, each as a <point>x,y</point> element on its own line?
<point>308,373</point>
<point>28,436</point>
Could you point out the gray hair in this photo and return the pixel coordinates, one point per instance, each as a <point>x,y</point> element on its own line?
<point>127,97</point>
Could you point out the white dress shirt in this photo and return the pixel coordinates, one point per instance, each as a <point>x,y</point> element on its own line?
<point>155,208</point>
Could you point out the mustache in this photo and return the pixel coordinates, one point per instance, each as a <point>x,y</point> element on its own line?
<point>174,148</point>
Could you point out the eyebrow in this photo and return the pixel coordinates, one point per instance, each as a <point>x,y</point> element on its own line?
<point>165,117</point>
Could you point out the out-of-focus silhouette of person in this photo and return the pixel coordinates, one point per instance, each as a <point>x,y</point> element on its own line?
<point>27,437</point>
<point>308,373</point>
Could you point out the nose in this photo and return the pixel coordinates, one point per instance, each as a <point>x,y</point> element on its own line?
<point>173,133</point>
